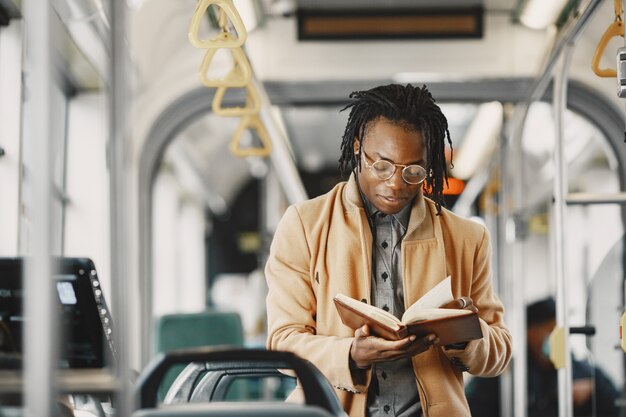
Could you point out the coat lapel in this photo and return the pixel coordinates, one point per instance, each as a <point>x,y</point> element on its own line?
<point>356,213</point>
<point>423,251</point>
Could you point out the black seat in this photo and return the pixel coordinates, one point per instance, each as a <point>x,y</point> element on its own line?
<point>213,370</point>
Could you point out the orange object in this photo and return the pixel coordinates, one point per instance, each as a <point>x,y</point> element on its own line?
<point>454,186</point>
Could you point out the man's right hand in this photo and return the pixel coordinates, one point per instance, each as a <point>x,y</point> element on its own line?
<point>367,349</point>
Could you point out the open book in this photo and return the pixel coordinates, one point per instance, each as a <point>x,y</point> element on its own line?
<point>422,318</point>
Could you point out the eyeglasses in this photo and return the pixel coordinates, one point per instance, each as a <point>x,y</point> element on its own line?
<point>383,170</point>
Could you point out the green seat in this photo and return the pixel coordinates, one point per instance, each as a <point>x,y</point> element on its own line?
<point>188,330</point>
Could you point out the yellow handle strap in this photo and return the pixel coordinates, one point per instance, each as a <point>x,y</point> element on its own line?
<point>557,347</point>
<point>622,331</point>
<point>218,41</point>
<point>615,29</point>
<point>252,106</point>
<point>239,76</point>
<point>617,5</point>
<point>251,122</point>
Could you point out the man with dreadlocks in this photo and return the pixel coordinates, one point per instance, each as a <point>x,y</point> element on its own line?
<point>378,239</point>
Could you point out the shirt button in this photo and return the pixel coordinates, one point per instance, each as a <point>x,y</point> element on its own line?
<point>384,244</point>
<point>384,375</point>
<point>387,408</point>
<point>384,275</point>
<point>386,308</point>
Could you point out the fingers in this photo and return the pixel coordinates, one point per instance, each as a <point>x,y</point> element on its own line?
<point>367,349</point>
<point>412,341</point>
<point>468,304</point>
<point>463,303</point>
<point>362,331</point>
<point>410,346</point>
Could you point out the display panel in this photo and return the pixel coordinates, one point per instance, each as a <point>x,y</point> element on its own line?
<point>84,319</point>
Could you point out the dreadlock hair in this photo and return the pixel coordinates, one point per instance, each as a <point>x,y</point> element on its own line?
<point>410,107</point>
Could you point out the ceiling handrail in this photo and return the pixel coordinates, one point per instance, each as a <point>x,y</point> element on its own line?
<point>228,12</point>
<point>615,29</point>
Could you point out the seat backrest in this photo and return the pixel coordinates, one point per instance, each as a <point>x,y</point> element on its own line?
<point>207,328</point>
<point>318,392</point>
<point>189,330</point>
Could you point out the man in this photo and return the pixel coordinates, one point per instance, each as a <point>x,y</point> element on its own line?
<point>376,238</point>
<point>593,393</point>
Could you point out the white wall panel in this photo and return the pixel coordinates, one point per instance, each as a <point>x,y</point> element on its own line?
<point>10,135</point>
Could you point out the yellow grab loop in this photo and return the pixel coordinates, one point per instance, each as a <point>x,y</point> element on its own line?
<point>615,29</point>
<point>622,331</point>
<point>219,41</point>
<point>251,122</point>
<point>252,106</point>
<point>557,347</point>
<point>239,76</point>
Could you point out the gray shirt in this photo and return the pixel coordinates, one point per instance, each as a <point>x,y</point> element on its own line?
<point>393,390</point>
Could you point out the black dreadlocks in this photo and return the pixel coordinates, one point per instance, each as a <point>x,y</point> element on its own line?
<point>410,107</point>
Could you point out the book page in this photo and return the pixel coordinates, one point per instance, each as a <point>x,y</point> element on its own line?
<point>437,296</point>
<point>371,311</point>
<point>431,314</point>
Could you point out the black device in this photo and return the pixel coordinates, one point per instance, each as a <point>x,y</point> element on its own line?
<point>84,318</point>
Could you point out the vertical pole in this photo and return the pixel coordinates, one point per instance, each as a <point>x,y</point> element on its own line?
<point>567,34</point>
<point>560,190</point>
<point>118,157</point>
<point>515,233</point>
<point>40,335</point>
<point>623,213</point>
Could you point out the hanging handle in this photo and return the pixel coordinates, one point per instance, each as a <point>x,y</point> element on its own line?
<point>251,122</point>
<point>239,76</point>
<point>221,40</point>
<point>615,29</point>
<point>252,106</point>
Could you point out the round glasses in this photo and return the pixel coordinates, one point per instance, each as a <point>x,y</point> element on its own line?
<point>383,170</point>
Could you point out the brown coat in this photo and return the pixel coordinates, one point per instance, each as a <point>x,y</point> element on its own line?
<point>323,247</point>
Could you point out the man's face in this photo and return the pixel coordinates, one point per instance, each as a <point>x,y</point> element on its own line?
<point>393,143</point>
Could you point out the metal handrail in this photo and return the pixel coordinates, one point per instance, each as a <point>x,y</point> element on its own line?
<point>561,353</point>
<point>568,33</point>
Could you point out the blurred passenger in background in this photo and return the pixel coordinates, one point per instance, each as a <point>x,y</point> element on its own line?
<point>542,392</point>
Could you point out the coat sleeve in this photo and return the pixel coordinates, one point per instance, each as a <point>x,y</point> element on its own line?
<point>490,355</point>
<point>292,306</point>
